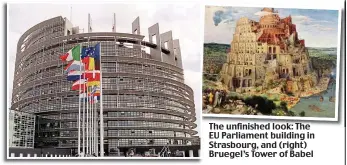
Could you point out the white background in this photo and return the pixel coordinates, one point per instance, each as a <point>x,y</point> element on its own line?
<point>329,143</point>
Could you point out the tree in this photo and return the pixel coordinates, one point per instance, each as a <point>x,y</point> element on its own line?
<point>283,106</point>
<point>291,113</point>
<point>302,113</point>
<point>264,105</point>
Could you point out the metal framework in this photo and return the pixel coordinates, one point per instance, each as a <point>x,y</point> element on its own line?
<point>21,129</point>
<point>145,100</point>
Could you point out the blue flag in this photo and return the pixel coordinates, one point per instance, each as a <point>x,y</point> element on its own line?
<point>93,51</point>
<point>87,52</point>
<point>97,55</point>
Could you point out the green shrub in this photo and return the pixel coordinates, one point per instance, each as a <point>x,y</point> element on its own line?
<point>262,104</point>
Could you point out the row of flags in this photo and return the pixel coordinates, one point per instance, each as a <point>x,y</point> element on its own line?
<point>84,70</point>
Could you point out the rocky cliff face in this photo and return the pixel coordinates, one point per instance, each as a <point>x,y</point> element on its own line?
<point>302,84</point>
<point>322,66</point>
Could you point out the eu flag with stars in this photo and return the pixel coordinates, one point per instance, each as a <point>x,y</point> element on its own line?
<point>93,51</point>
<point>87,51</point>
<point>96,54</point>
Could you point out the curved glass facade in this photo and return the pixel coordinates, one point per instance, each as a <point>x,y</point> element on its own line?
<point>145,100</point>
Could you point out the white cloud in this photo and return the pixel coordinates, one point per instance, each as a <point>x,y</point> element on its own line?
<point>306,26</point>
<point>323,28</point>
<point>217,33</point>
<point>301,18</point>
<point>306,20</point>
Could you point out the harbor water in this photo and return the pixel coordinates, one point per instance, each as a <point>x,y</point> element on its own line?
<point>325,108</point>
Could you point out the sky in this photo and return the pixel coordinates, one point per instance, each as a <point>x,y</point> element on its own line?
<point>319,28</point>
<point>173,17</point>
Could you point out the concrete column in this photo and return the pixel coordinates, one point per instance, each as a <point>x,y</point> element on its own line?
<point>28,155</point>
<point>51,155</point>
<point>13,155</point>
<point>191,153</point>
<point>35,155</point>
<point>198,153</point>
<point>21,155</point>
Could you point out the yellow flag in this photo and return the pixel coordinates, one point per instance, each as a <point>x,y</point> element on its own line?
<point>93,83</point>
<point>91,64</point>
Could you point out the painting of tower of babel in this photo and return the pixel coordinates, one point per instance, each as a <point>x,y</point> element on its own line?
<point>271,62</point>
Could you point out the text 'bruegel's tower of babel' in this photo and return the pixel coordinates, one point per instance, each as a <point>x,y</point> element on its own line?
<point>264,51</point>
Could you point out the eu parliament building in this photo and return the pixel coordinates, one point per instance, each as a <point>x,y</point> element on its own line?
<point>146,104</point>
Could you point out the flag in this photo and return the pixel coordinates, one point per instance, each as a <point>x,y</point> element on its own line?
<point>89,63</point>
<point>76,84</point>
<point>95,100</point>
<point>95,91</point>
<point>94,79</point>
<point>93,83</point>
<point>75,75</point>
<point>74,65</point>
<point>72,54</point>
<point>96,55</point>
<point>87,51</point>
<point>92,99</point>
<point>93,52</point>
<point>94,74</point>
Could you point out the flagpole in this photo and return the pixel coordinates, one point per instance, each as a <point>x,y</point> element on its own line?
<point>91,125</point>
<point>95,135</point>
<point>83,119</point>
<point>79,110</point>
<point>96,131</point>
<point>94,125</point>
<point>87,118</point>
<point>88,133</point>
<point>89,110</point>
<point>93,132</point>
<point>101,112</point>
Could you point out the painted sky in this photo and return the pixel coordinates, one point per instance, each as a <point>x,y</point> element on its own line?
<point>319,28</point>
<point>21,17</point>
